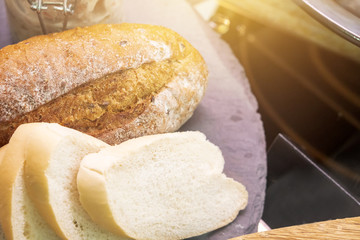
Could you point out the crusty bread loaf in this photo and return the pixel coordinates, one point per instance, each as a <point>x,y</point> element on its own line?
<point>166,186</point>
<point>19,217</point>
<point>53,156</point>
<point>113,82</point>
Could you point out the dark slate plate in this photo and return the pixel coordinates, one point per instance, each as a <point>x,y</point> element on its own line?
<point>227,114</point>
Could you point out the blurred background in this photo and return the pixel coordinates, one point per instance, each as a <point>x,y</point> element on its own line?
<point>306,78</point>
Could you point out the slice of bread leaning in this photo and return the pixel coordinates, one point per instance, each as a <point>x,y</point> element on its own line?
<point>2,153</point>
<point>53,157</point>
<point>167,186</point>
<point>19,217</point>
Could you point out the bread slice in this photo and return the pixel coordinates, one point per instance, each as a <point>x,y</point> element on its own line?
<point>53,157</point>
<point>2,153</point>
<point>19,217</point>
<point>167,186</point>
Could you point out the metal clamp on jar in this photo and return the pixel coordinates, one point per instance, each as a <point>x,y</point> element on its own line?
<point>65,6</point>
<point>36,17</point>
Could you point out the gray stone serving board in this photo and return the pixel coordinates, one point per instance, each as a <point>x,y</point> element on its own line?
<point>227,114</point>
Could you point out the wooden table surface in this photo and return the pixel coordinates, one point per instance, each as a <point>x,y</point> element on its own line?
<point>346,229</point>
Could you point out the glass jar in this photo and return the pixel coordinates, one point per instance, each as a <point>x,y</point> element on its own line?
<point>34,17</point>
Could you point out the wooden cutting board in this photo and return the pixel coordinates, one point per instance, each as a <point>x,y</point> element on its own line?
<point>348,228</point>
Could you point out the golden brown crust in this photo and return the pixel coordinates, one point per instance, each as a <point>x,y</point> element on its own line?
<point>110,81</point>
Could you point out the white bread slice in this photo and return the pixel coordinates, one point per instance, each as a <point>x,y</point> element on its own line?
<point>167,186</point>
<point>52,161</point>
<point>19,217</point>
<point>2,153</point>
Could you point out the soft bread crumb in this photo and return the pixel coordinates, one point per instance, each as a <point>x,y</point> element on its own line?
<point>167,186</point>
<point>2,153</point>
<point>51,170</point>
<point>19,217</point>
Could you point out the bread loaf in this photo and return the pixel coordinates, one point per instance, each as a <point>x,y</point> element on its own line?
<point>53,156</point>
<point>166,186</point>
<point>113,82</point>
<point>19,218</point>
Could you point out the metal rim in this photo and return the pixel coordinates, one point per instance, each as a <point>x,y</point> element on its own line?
<point>335,17</point>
